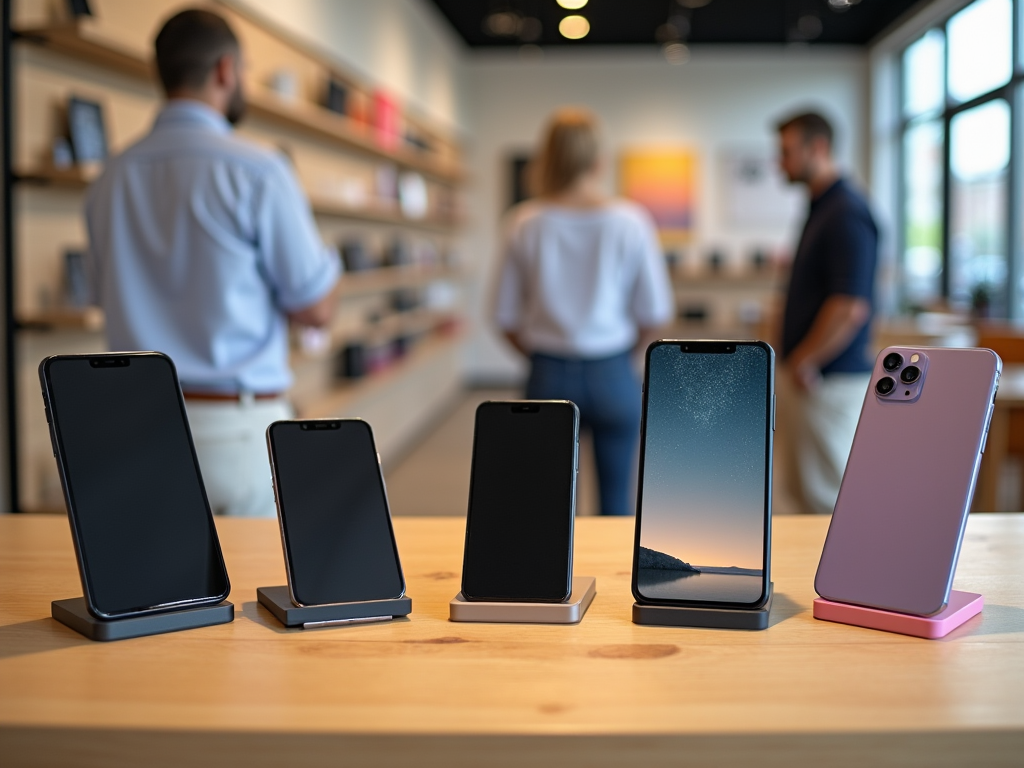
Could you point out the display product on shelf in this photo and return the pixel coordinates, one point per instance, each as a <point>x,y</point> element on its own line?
<point>703,516</point>
<point>895,535</point>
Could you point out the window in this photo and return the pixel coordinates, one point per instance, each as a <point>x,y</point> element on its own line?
<point>961,105</point>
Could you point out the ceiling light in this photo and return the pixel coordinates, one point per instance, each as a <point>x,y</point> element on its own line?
<point>701,3</point>
<point>530,29</point>
<point>676,53</point>
<point>502,24</point>
<point>842,5</point>
<point>574,27</point>
<point>572,5</point>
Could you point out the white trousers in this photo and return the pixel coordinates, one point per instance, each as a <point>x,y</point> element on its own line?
<point>814,435</point>
<point>231,442</point>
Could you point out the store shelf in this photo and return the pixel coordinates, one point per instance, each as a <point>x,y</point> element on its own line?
<point>744,282</point>
<point>310,118</point>
<point>337,399</point>
<point>385,279</point>
<point>86,319</point>
<point>73,177</point>
<point>325,207</point>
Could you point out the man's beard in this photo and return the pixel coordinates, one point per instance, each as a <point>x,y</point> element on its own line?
<point>236,106</point>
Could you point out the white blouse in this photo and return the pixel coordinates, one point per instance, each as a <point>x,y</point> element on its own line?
<point>581,282</point>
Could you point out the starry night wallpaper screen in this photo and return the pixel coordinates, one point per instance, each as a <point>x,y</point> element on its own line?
<point>702,516</point>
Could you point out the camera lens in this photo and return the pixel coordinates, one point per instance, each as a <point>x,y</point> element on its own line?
<point>910,374</point>
<point>892,361</point>
<point>885,385</point>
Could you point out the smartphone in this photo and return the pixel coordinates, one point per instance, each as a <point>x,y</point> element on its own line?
<point>140,521</point>
<point>522,502</point>
<point>339,545</point>
<point>895,534</point>
<point>703,513</point>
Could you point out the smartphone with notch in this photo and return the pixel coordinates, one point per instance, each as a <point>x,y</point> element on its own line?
<point>703,514</point>
<point>142,527</point>
<point>522,502</point>
<point>339,544</point>
<point>895,535</point>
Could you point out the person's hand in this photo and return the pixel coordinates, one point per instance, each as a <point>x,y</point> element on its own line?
<point>805,374</point>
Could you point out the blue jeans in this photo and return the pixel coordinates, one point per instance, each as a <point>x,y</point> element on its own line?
<point>607,393</point>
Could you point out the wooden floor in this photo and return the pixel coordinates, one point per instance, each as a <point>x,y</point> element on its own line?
<point>433,478</point>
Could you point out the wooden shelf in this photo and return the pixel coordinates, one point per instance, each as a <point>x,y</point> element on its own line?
<point>341,396</point>
<point>324,207</point>
<point>311,118</point>
<point>73,177</point>
<point>385,279</point>
<point>85,319</point>
<point>745,282</point>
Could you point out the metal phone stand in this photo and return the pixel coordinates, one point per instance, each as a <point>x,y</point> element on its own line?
<point>961,607</point>
<point>705,618</point>
<point>74,613</point>
<point>569,611</point>
<point>278,601</point>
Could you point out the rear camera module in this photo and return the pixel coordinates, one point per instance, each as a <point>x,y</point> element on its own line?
<point>885,385</point>
<point>910,374</point>
<point>892,361</point>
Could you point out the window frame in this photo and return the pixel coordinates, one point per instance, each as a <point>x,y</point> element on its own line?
<point>1013,92</point>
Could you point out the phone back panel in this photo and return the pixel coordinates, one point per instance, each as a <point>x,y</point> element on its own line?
<point>895,534</point>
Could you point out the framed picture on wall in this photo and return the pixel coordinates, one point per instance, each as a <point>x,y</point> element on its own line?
<point>755,194</point>
<point>664,181</point>
<point>86,130</point>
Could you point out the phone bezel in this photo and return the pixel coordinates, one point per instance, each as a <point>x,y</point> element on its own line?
<point>769,443</point>
<point>574,495</point>
<point>69,499</point>
<point>272,451</point>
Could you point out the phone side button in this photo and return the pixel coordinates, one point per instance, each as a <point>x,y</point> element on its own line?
<point>775,399</point>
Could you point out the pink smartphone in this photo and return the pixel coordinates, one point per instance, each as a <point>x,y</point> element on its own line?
<point>895,534</point>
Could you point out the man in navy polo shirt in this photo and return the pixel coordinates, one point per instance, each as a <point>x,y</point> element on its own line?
<point>826,324</point>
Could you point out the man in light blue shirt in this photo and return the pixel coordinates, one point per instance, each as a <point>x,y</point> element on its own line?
<point>203,247</point>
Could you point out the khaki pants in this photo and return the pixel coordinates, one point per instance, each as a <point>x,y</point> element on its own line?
<point>813,439</point>
<point>231,442</point>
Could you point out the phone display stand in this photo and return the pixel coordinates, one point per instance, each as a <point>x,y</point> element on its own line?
<point>705,618</point>
<point>278,601</point>
<point>74,613</point>
<point>570,611</point>
<point>961,607</point>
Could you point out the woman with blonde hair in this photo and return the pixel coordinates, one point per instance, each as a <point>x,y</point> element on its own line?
<point>582,286</point>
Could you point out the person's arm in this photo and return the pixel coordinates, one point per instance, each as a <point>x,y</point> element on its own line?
<point>837,322</point>
<point>653,303</point>
<point>300,270</point>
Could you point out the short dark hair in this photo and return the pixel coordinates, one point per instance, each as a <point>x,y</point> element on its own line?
<point>188,46</point>
<point>811,125</point>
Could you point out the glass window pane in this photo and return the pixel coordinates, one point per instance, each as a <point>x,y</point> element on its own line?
<point>922,75</point>
<point>980,48</point>
<point>922,215</point>
<point>979,170</point>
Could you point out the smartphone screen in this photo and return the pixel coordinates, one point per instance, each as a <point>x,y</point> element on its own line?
<point>338,541</point>
<point>142,525</point>
<point>522,500</point>
<point>703,511</point>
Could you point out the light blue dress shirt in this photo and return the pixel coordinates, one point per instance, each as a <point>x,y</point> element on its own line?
<point>200,243</point>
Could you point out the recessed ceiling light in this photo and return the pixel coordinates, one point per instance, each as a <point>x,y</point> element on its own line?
<point>572,5</point>
<point>574,27</point>
<point>676,53</point>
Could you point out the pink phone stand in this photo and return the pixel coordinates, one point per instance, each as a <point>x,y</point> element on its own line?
<point>961,607</point>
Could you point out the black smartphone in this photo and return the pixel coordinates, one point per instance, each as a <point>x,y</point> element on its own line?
<point>339,546</point>
<point>140,520</point>
<point>522,502</point>
<point>703,513</point>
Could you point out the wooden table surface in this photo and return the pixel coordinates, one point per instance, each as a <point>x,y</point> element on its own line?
<point>428,692</point>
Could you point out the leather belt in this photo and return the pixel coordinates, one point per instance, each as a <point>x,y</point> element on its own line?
<point>231,397</point>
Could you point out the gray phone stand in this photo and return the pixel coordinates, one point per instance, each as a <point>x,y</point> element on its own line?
<point>74,613</point>
<point>278,601</point>
<point>708,618</point>
<point>568,612</point>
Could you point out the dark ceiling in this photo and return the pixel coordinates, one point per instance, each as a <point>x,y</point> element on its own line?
<point>633,22</point>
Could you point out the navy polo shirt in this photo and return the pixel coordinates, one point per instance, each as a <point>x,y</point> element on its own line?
<point>837,255</point>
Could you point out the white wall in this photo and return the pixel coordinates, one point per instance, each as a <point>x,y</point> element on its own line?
<point>405,45</point>
<point>723,98</point>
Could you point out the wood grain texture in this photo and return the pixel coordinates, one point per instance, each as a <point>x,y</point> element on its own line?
<point>604,692</point>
